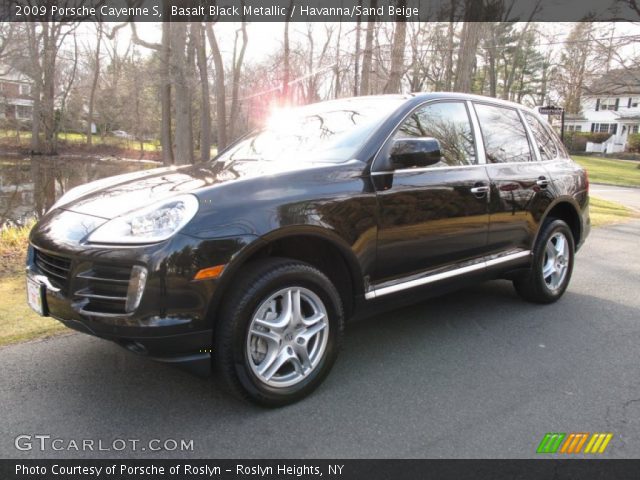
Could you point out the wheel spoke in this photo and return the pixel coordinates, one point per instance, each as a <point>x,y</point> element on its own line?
<point>548,269</point>
<point>268,335</point>
<point>561,245</point>
<point>311,332</point>
<point>550,252</point>
<point>303,358</point>
<point>296,307</point>
<point>275,364</point>
<point>313,319</point>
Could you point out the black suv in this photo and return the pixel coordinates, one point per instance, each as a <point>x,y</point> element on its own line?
<point>252,262</point>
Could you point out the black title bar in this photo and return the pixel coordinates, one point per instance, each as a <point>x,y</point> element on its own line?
<point>318,10</point>
<point>315,469</point>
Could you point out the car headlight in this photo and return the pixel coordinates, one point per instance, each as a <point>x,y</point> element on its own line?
<point>153,223</point>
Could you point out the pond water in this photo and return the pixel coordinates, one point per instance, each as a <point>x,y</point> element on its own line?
<point>29,186</point>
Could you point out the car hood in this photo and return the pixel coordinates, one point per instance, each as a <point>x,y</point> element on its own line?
<point>111,197</point>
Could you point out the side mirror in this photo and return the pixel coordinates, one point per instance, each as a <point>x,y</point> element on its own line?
<point>415,152</point>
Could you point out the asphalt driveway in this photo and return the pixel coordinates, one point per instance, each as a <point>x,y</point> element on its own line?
<point>628,196</point>
<point>477,373</point>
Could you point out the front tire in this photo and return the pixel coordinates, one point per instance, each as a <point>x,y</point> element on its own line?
<point>279,332</point>
<point>552,266</point>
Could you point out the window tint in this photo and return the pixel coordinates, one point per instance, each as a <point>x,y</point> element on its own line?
<point>447,122</point>
<point>505,139</point>
<point>546,145</point>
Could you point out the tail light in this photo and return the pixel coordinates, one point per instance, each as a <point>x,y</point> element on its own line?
<point>586,179</point>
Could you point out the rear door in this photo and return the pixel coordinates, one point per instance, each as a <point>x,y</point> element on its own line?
<point>432,216</point>
<point>519,180</point>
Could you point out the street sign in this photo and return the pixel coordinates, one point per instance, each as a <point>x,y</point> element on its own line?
<point>550,110</point>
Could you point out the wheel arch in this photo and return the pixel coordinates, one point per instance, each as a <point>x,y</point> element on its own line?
<point>317,246</point>
<point>568,210</point>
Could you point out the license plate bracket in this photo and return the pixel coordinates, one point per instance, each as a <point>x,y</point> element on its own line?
<point>37,296</point>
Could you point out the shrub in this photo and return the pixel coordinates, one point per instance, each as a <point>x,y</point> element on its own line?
<point>597,137</point>
<point>633,143</point>
<point>575,142</point>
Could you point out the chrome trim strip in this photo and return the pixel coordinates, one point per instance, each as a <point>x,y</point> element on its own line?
<point>80,293</point>
<point>102,279</point>
<point>374,293</point>
<point>507,258</point>
<point>424,169</point>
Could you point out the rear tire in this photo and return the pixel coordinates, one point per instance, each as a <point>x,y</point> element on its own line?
<point>552,266</point>
<point>279,312</point>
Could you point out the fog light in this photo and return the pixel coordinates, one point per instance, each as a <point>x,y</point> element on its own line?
<point>136,288</point>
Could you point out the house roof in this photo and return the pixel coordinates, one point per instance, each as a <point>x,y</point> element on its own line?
<point>621,81</point>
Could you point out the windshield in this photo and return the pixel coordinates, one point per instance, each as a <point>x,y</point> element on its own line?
<point>328,131</point>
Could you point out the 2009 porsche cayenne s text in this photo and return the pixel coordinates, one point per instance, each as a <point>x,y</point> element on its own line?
<point>251,263</point>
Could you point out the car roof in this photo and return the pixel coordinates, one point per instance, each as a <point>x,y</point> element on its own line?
<point>468,96</point>
<point>419,97</point>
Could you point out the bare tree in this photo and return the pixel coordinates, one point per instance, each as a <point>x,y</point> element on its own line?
<point>367,56</point>
<point>166,134</point>
<point>397,53</point>
<point>197,33</point>
<point>180,73</point>
<point>221,109</point>
<point>94,82</point>
<point>238,60</point>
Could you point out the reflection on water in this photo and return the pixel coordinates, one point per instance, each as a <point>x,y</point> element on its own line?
<point>29,186</point>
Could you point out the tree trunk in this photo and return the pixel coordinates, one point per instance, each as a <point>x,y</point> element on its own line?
<point>221,111</point>
<point>166,137</point>
<point>367,56</point>
<point>336,68</point>
<point>467,56</point>
<point>448,76</point>
<point>48,87</point>
<point>397,54</point>
<point>286,76</point>
<point>94,84</point>
<point>235,85</point>
<point>184,134</point>
<point>205,103</point>
<point>356,73</point>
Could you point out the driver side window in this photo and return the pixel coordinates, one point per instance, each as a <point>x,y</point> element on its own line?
<point>449,124</point>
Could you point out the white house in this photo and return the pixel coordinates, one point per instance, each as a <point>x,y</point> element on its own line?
<point>15,95</point>
<point>610,105</point>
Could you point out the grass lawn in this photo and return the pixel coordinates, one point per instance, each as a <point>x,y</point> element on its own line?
<point>612,172</point>
<point>80,139</point>
<point>604,212</point>
<point>17,321</point>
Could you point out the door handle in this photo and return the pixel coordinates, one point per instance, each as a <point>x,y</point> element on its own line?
<point>542,182</point>
<point>480,190</point>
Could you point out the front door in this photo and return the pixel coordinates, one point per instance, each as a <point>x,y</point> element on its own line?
<point>434,216</point>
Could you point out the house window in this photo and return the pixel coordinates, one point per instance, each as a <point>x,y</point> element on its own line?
<point>574,128</point>
<point>608,104</point>
<point>23,112</point>
<point>603,127</point>
<point>634,129</point>
<point>25,89</point>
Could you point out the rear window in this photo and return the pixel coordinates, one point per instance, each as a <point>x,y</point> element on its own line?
<point>544,139</point>
<point>504,134</point>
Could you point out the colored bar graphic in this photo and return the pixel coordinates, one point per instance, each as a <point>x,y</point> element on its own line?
<point>598,443</point>
<point>572,443</point>
<point>551,442</point>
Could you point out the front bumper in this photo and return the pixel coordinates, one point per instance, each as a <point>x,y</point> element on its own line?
<point>86,284</point>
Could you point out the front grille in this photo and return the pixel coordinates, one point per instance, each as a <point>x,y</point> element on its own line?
<point>54,267</point>
<point>104,289</point>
